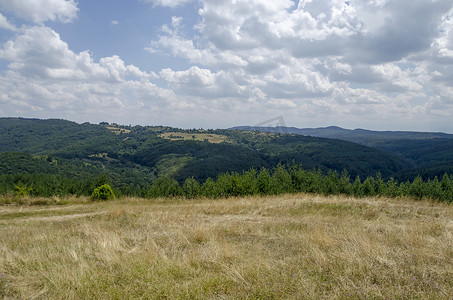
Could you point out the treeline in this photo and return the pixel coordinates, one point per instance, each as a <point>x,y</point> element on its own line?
<point>47,185</point>
<point>281,179</point>
<point>295,179</point>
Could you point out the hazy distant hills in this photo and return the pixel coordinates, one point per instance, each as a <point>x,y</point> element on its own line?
<point>360,136</point>
<point>427,153</point>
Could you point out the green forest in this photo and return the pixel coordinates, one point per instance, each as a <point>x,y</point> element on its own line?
<point>58,157</point>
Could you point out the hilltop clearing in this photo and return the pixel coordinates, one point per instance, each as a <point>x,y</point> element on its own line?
<point>201,137</point>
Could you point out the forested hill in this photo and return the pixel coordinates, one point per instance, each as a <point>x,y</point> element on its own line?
<point>426,153</point>
<point>54,136</point>
<point>132,157</point>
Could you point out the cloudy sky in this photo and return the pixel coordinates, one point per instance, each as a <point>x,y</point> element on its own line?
<point>374,64</point>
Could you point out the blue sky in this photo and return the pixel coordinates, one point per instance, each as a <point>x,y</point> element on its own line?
<point>374,64</point>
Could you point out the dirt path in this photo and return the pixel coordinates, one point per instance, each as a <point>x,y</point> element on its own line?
<point>60,218</point>
<point>47,214</point>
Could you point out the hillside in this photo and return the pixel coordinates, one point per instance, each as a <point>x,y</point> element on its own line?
<point>133,156</point>
<point>426,153</point>
<point>286,247</point>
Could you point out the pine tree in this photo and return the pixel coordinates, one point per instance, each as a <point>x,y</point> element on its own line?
<point>345,184</point>
<point>331,183</point>
<point>298,179</point>
<point>380,185</point>
<point>357,187</point>
<point>164,187</point>
<point>249,182</point>
<point>209,189</point>
<point>417,188</point>
<point>280,181</point>
<point>391,188</point>
<point>447,188</point>
<point>263,182</point>
<point>368,187</point>
<point>434,189</point>
<point>191,188</point>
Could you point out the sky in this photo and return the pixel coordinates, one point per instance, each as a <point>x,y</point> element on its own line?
<point>372,64</point>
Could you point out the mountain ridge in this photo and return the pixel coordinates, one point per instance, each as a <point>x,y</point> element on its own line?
<point>333,131</point>
<point>134,156</point>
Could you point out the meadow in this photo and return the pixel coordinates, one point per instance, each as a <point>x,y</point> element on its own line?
<point>191,136</point>
<point>295,246</point>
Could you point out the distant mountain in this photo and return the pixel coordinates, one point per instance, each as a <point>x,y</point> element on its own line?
<point>427,153</point>
<point>359,136</point>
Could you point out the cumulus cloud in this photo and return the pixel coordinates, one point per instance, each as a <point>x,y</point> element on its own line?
<point>39,52</point>
<point>39,11</point>
<point>46,77</point>
<point>5,24</point>
<point>409,27</point>
<point>320,60</point>
<point>203,83</point>
<point>330,57</point>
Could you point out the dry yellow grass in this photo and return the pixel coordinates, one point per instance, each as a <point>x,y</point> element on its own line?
<point>285,247</point>
<point>117,129</point>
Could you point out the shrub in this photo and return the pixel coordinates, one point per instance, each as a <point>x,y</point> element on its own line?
<point>104,192</point>
<point>21,190</point>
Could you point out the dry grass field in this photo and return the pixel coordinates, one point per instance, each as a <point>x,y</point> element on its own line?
<point>182,136</point>
<point>286,247</point>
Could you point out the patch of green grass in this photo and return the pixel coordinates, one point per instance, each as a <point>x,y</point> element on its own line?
<point>170,164</point>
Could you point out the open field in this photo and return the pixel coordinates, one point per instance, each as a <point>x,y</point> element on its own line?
<point>117,129</point>
<point>284,247</point>
<point>182,136</point>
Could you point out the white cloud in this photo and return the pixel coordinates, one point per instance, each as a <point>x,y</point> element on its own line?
<point>443,45</point>
<point>46,78</point>
<point>5,24</point>
<point>247,60</point>
<point>39,11</point>
<point>329,57</point>
<point>203,83</point>
<point>167,3</point>
<point>394,79</point>
<point>39,52</point>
